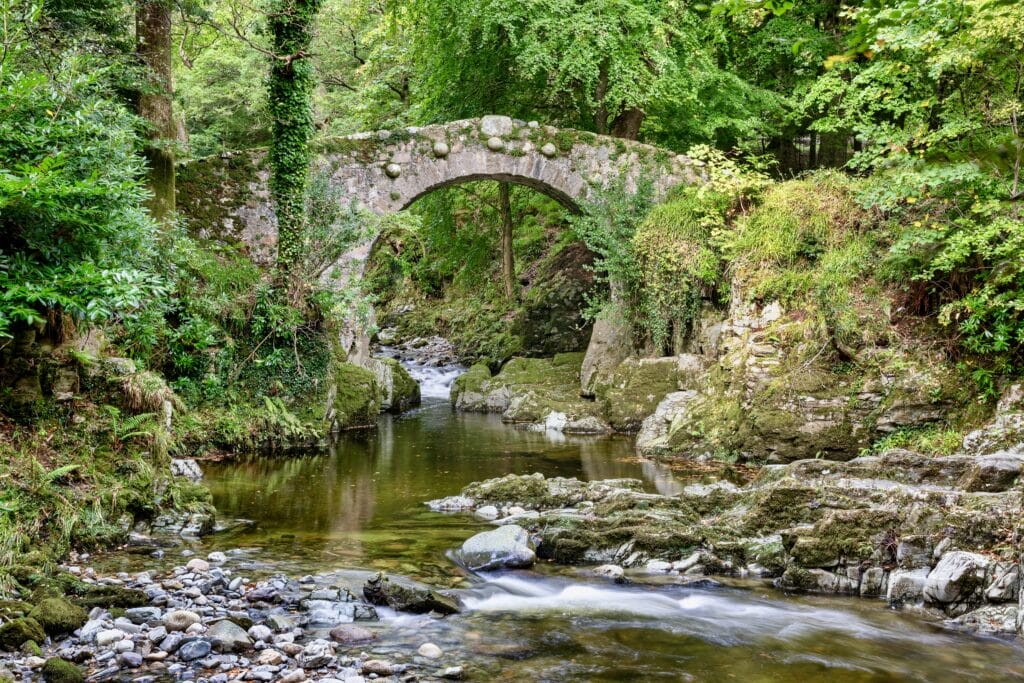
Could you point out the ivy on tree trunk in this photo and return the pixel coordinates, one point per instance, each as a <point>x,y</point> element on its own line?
<point>153,46</point>
<point>290,91</point>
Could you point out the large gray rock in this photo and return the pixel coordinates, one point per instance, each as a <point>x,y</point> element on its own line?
<point>997,471</point>
<point>381,591</point>
<point>958,577</point>
<point>611,342</point>
<point>906,585</point>
<point>505,547</point>
<point>227,636</point>
<point>654,431</point>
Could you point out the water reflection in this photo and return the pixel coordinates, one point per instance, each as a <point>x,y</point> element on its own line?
<point>361,502</point>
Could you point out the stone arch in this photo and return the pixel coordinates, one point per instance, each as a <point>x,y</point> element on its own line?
<point>227,196</point>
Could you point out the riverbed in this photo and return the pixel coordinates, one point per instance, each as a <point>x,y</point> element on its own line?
<point>357,507</point>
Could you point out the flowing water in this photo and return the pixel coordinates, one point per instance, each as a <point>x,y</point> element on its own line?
<point>358,507</point>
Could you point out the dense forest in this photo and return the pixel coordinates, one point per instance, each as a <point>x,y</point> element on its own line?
<point>842,278</point>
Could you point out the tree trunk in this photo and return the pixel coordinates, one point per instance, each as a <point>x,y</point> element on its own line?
<point>508,267</point>
<point>627,124</point>
<point>290,98</point>
<point>153,44</point>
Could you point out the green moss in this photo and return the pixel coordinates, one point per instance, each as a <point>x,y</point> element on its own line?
<point>12,609</point>
<point>405,390</point>
<point>209,190</point>
<point>57,670</point>
<point>58,616</point>
<point>357,397</point>
<point>16,632</point>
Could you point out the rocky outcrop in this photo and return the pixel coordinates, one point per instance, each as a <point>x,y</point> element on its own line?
<point>899,525</point>
<point>381,591</point>
<point>769,397</point>
<point>533,391</point>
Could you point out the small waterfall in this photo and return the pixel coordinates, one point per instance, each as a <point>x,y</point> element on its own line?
<point>431,361</point>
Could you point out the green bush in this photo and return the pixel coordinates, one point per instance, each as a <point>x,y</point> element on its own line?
<point>74,238</point>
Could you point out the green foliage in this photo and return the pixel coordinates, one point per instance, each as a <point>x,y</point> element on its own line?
<point>74,239</point>
<point>290,87</point>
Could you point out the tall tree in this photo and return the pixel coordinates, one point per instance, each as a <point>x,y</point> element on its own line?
<point>290,91</point>
<point>153,45</point>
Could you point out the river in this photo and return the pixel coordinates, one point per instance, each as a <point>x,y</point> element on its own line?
<point>358,507</point>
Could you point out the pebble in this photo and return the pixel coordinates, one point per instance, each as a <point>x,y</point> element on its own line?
<point>194,649</point>
<point>198,565</point>
<point>217,557</point>
<point>430,651</point>
<point>131,660</point>
<point>179,620</point>
<point>109,637</point>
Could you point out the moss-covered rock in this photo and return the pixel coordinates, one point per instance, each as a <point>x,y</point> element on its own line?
<point>470,391</point>
<point>635,389</point>
<point>57,670</point>
<point>399,391</point>
<point>12,609</point>
<point>14,633</point>
<point>58,616</point>
<point>356,398</point>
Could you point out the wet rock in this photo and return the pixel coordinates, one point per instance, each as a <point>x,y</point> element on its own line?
<point>958,577</point>
<point>226,636</point>
<point>611,571</point>
<point>260,632</point>
<point>452,673</point>
<point>316,654</point>
<point>130,660</point>
<point>430,651</point>
<point>377,667</point>
<point>505,547</point>
<point>347,633</point>
<point>379,590</point>
<point>989,620</point>
<point>217,557</point>
<point>194,649</point>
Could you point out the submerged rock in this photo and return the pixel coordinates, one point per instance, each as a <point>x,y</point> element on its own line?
<point>381,591</point>
<point>505,547</point>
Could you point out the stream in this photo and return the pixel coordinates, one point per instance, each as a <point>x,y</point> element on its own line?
<point>358,508</point>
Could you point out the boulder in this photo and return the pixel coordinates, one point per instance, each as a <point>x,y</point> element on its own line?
<point>635,389</point>
<point>994,472</point>
<point>958,577</point>
<point>347,633</point>
<point>611,342</point>
<point>57,616</point>
<point>505,547</point>
<point>16,632</point>
<point>227,636</point>
<point>399,391</point>
<point>57,670</point>
<point>653,438</point>
<point>379,590</point>
<point>906,585</point>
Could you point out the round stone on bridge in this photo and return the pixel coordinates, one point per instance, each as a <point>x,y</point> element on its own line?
<point>549,150</point>
<point>495,144</point>
<point>393,170</point>
<point>441,149</point>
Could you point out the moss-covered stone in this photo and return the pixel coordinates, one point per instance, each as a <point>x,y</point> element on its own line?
<point>12,609</point>
<point>57,670</point>
<point>405,392</point>
<point>58,616</point>
<point>635,389</point>
<point>356,397</point>
<point>14,633</point>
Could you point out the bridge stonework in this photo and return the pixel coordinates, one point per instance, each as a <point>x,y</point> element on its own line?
<point>226,197</point>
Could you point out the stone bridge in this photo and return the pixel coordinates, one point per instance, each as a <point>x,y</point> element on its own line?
<point>227,197</point>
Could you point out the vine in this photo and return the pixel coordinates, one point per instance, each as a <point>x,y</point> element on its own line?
<point>290,90</point>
